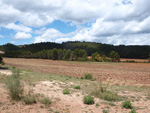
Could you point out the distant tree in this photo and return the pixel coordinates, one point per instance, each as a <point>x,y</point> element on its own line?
<point>72,56</point>
<point>117,57</point>
<point>49,55</point>
<point>112,55</point>
<point>60,54</point>
<point>67,55</point>
<point>94,56</point>
<point>54,54</point>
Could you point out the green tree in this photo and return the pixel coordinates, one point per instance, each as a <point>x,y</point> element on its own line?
<point>117,57</point>
<point>67,55</point>
<point>54,54</point>
<point>112,55</point>
<point>95,56</point>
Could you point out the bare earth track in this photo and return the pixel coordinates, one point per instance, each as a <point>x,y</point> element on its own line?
<point>138,73</point>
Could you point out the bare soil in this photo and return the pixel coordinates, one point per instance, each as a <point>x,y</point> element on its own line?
<point>131,73</point>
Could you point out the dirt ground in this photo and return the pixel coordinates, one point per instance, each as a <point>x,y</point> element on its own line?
<point>131,73</point>
<point>121,73</point>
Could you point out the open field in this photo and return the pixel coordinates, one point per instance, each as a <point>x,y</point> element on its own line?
<point>46,78</point>
<point>125,73</point>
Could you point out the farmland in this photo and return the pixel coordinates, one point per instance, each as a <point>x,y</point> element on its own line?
<point>131,73</point>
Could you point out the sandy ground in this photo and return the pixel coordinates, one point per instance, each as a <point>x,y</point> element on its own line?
<point>72,103</point>
<point>134,73</point>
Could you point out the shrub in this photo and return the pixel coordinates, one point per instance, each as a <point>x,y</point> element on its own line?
<point>29,99</point>
<point>88,100</point>
<point>46,101</point>
<point>105,94</point>
<point>76,87</point>
<point>132,111</point>
<point>66,91</point>
<point>127,105</point>
<point>88,76</point>
<point>14,86</point>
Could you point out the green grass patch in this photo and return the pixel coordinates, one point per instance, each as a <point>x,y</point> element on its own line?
<point>127,105</point>
<point>88,76</point>
<point>77,87</point>
<point>88,100</point>
<point>66,91</point>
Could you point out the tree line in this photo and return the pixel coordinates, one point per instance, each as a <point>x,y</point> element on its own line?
<point>141,52</point>
<point>63,54</point>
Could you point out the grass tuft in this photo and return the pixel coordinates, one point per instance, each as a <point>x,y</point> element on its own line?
<point>28,99</point>
<point>105,94</point>
<point>88,76</point>
<point>127,105</point>
<point>46,101</point>
<point>14,86</point>
<point>66,91</point>
<point>88,100</point>
<point>76,87</point>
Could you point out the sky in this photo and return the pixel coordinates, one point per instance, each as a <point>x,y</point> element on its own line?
<point>117,22</point>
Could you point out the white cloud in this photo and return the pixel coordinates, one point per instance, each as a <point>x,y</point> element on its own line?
<point>48,35</point>
<point>1,36</point>
<point>22,35</point>
<point>116,21</point>
<point>18,27</point>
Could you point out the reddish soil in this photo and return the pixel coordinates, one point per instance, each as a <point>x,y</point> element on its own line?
<point>138,73</point>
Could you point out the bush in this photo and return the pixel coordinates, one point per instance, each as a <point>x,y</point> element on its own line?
<point>127,105</point>
<point>46,101</point>
<point>132,111</point>
<point>29,99</point>
<point>88,100</point>
<point>76,87</point>
<point>88,76</point>
<point>14,86</point>
<point>66,91</point>
<point>103,93</point>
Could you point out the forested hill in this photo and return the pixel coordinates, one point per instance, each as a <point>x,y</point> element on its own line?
<point>90,47</point>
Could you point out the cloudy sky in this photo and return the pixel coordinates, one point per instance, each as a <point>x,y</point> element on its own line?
<point>106,21</point>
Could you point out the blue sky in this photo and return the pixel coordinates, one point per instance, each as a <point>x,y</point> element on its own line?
<point>113,22</point>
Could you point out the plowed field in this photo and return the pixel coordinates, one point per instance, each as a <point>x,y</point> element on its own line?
<point>138,73</point>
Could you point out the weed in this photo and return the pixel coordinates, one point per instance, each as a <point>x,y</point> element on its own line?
<point>57,111</point>
<point>66,91</point>
<point>76,87</point>
<point>132,111</point>
<point>112,104</point>
<point>105,111</point>
<point>127,105</point>
<point>46,101</point>
<point>29,99</point>
<point>88,100</point>
<point>105,94</point>
<point>88,76</point>
<point>14,86</point>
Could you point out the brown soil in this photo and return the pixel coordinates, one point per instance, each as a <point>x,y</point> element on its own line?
<point>131,73</point>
